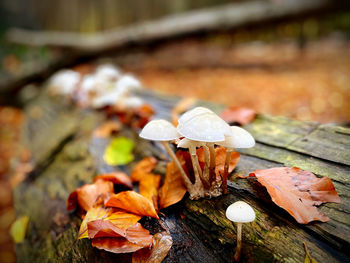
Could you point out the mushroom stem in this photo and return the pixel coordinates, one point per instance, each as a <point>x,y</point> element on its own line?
<point>206,166</point>
<point>227,164</point>
<point>239,242</point>
<point>196,167</point>
<point>212,163</point>
<point>187,181</point>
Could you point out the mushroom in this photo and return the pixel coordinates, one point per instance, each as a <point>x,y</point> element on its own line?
<point>164,131</point>
<point>191,146</point>
<point>129,83</point>
<point>206,127</point>
<point>240,212</point>
<point>64,82</point>
<point>191,113</point>
<point>240,139</point>
<point>107,72</point>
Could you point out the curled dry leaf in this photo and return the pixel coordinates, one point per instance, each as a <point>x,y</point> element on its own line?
<point>120,219</point>
<point>162,243</point>
<point>148,187</point>
<point>116,178</point>
<point>133,202</point>
<point>240,115</point>
<point>87,195</point>
<point>107,129</point>
<point>173,189</point>
<point>182,106</point>
<point>136,238</point>
<point>298,191</point>
<point>145,166</point>
<point>104,228</point>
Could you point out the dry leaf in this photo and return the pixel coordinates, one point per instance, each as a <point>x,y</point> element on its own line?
<point>19,228</point>
<point>145,166</point>
<point>87,195</point>
<point>162,243</point>
<point>122,219</point>
<point>107,129</point>
<point>116,178</point>
<point>148,187</point>
<point>138,235</point>
<point>142,115</point>
<point>173,189</point>
<point>104,228</point>
<point>240,115</point>
<point>298,191</point>
<point>133,202</point>
<point>93,214</point>
<point>182,106</point>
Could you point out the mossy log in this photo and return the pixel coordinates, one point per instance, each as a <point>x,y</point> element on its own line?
<point>66,156</point>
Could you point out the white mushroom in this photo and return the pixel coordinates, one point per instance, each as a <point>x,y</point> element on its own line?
<point>107,72</point>
<point>64,82</point>
<point>164,131</point>
<point>240,139</point>
<point>206,127</point>
<point>191,113</point>
<point>240,212</point>
<point>129,83</point>
<point>191,146</point>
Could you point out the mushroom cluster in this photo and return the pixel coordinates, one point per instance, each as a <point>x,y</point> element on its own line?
<point>105,86</point>
<point>200,127</point>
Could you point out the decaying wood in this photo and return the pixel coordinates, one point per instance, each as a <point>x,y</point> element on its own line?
<point>217,18</point>
<point>61,139</point>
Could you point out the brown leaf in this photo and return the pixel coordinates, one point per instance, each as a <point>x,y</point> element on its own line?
<point>182,106</point>
<point>107,129</point>
<point>116,244</point>
<point>142,115</point>
<point>116,178</point>
<point>162,243</point>
<point>93,214</point>
<point>122,219</point>
<point>133,202</point>
<point>138,235</point>
<point>148,187</point>
<point>145,166</point>
<point>238,114</point>
<point>87,195</point>
<point>173,189</point>
<point>104,228</point>
<point>298,191</point>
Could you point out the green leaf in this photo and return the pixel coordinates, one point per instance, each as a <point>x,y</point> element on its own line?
<point>308,258</point>
<point>119,151</point>
<point>19,228</point>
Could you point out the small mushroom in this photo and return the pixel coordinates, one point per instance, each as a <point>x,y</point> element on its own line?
<point>129,83</point>
<point>191,113</point>
<point>107,72</point>
<point>240,212</point>
<point>206,127</point>
<point>64,82</point>
<point>191,146</point>
<point>240,139</point>
<point>164,131</point>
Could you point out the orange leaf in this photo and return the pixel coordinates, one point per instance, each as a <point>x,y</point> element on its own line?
<point>298,191</point>
<point>182,106</point>
<point>107,129</point>
<point>104,228</point>
<point>148,187</point>
<point>138,235</point>
<point>87,195</point>
<point>116,178</point>
<point>134,203</point>
<point>145,166</point>
<point>122,219</point>
<point>93,214</point>
<point>173,189</point>
<point>238,114</point>
<point>162,243</point>
<point>116,244</point>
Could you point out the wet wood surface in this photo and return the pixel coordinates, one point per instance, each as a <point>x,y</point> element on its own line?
<point>67,156</point>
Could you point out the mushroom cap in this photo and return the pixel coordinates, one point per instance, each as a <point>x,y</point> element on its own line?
<point>240,139</point>
<point>206,127</point>
<point>106,99</point>
<point>159,130</point>
<point>132,102</point>
<point>65,81</point>
<point>240,212</point>
<point>107,72</point>
<point>129,83</point>
<point>191,113</point>
<point>187,143</point>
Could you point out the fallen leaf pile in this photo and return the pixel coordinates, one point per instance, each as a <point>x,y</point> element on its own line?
<point>298,191</point>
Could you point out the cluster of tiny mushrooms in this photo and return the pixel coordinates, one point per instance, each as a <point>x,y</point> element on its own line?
<point>201,127</point>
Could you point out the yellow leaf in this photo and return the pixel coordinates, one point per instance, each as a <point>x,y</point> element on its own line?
<point>19,228</point>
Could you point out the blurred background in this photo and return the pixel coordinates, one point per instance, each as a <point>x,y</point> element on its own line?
<point>280,57</point>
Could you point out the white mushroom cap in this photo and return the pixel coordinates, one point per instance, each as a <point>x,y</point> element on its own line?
<point>65,81</point>
<point>132,102</point>
<point>206,127</point>
<point>107,72</point>
<point>129,83</point>
<point>159,130</point>
<point>240,139</point>
<point>191,113</point>
<point>240,212</point>
<point>186,143</point>
<point>110,98</point>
